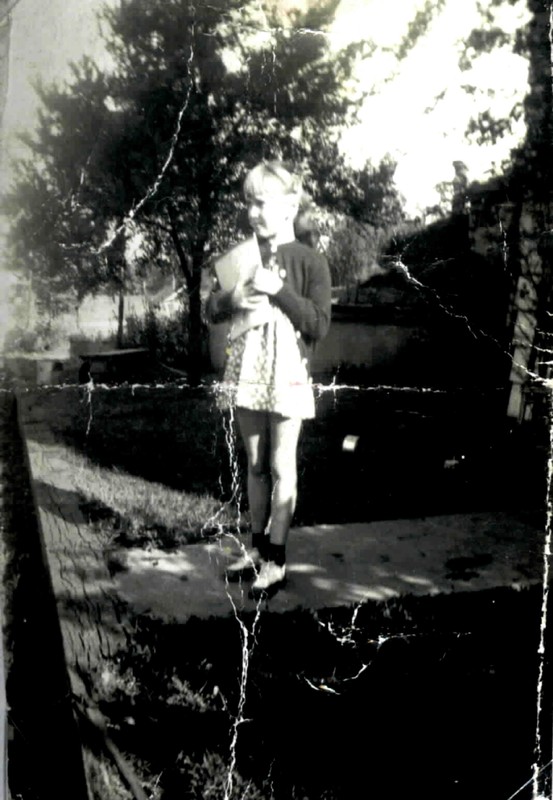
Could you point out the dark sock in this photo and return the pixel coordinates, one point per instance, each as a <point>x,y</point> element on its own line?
<point>277,553</point>
<point>259,541</point>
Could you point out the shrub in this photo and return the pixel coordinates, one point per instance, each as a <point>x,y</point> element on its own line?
<point>44,336</point>
<point>166,337</point>
<point>208,780</point>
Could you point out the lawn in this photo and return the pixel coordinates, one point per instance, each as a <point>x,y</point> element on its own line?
<point>417,453</point>
<point>151,467</point>
<point>143,511</point>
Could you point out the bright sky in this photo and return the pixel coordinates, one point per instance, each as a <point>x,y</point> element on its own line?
<point>46,37</point>
<point>394,121</point>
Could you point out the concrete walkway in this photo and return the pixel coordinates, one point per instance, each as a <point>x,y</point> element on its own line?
<point>328,565</point>
<point>336,565</point>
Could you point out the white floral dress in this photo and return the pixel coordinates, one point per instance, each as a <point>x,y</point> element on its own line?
<point>265,371</point>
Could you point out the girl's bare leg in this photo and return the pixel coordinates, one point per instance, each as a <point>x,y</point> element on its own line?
<point>284,435</point>
<point>254,429</point>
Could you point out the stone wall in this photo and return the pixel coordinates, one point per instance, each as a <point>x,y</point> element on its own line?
<point>361,342</point>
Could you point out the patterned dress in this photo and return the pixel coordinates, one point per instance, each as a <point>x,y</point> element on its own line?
<point>265,371</point>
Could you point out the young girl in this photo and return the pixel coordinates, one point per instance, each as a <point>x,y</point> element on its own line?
<point>267,370</point>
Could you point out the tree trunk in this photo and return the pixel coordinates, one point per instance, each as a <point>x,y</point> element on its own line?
<point>195,324</point>
<point>120,318</point>
<point>191,267</point>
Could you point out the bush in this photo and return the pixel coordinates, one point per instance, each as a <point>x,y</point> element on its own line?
<point>166,337</point>
<point>44,336</point>
<point>209,780</point>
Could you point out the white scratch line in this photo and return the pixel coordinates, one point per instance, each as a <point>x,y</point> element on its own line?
<point>544,606</point>
<point>247,637</point>
<point>152,191</point>
<point>537,770</point>
<point>528,782</point>
<point>89,389</point>
<point>321,688</point>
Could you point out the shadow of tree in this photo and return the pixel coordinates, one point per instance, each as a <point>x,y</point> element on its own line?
<point>405,441</point>
<point>358,695</point>
<point>64,503</point>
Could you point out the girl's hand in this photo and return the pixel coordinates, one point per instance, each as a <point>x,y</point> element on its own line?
<point>266,282</point>
<point>246,298</point>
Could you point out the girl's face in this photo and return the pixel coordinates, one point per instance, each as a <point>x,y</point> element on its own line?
<point>270,211</point>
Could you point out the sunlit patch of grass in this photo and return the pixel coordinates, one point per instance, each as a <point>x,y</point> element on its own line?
<point>144,510</point>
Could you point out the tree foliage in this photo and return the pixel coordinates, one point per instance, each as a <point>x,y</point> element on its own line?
<point>155,152</point>
<point>368,211</point>
<point>486,127</point>
<point>143,165</point>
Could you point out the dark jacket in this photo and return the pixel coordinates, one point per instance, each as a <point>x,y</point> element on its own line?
<point>305,296</point>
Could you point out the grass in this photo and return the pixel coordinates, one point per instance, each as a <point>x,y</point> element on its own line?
<point>177,438</point>
<point>165,434</point>
<point>150,465</point>
<point>146,511</point>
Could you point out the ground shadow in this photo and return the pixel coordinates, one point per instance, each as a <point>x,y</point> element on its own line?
<point>428,696</point>
<point>415,453</point>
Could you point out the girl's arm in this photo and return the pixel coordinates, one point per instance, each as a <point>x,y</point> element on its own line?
<point>310,314</point>
<point>221,305</point>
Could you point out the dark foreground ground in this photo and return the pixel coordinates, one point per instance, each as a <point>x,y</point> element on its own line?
<point>434,697</point>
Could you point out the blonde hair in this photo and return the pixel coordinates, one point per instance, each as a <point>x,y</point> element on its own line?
<point>254,183</point>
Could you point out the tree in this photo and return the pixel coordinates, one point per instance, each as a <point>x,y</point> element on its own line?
<point>207,94</point>
<point>156,150</point>
<point>366,212</point>
<point>65,201</point>
<point>199,93</point>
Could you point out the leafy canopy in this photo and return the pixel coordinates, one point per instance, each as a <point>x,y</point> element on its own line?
<point>155,150</point>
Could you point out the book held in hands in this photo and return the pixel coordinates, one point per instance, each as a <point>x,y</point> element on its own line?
<point>238,265</point>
